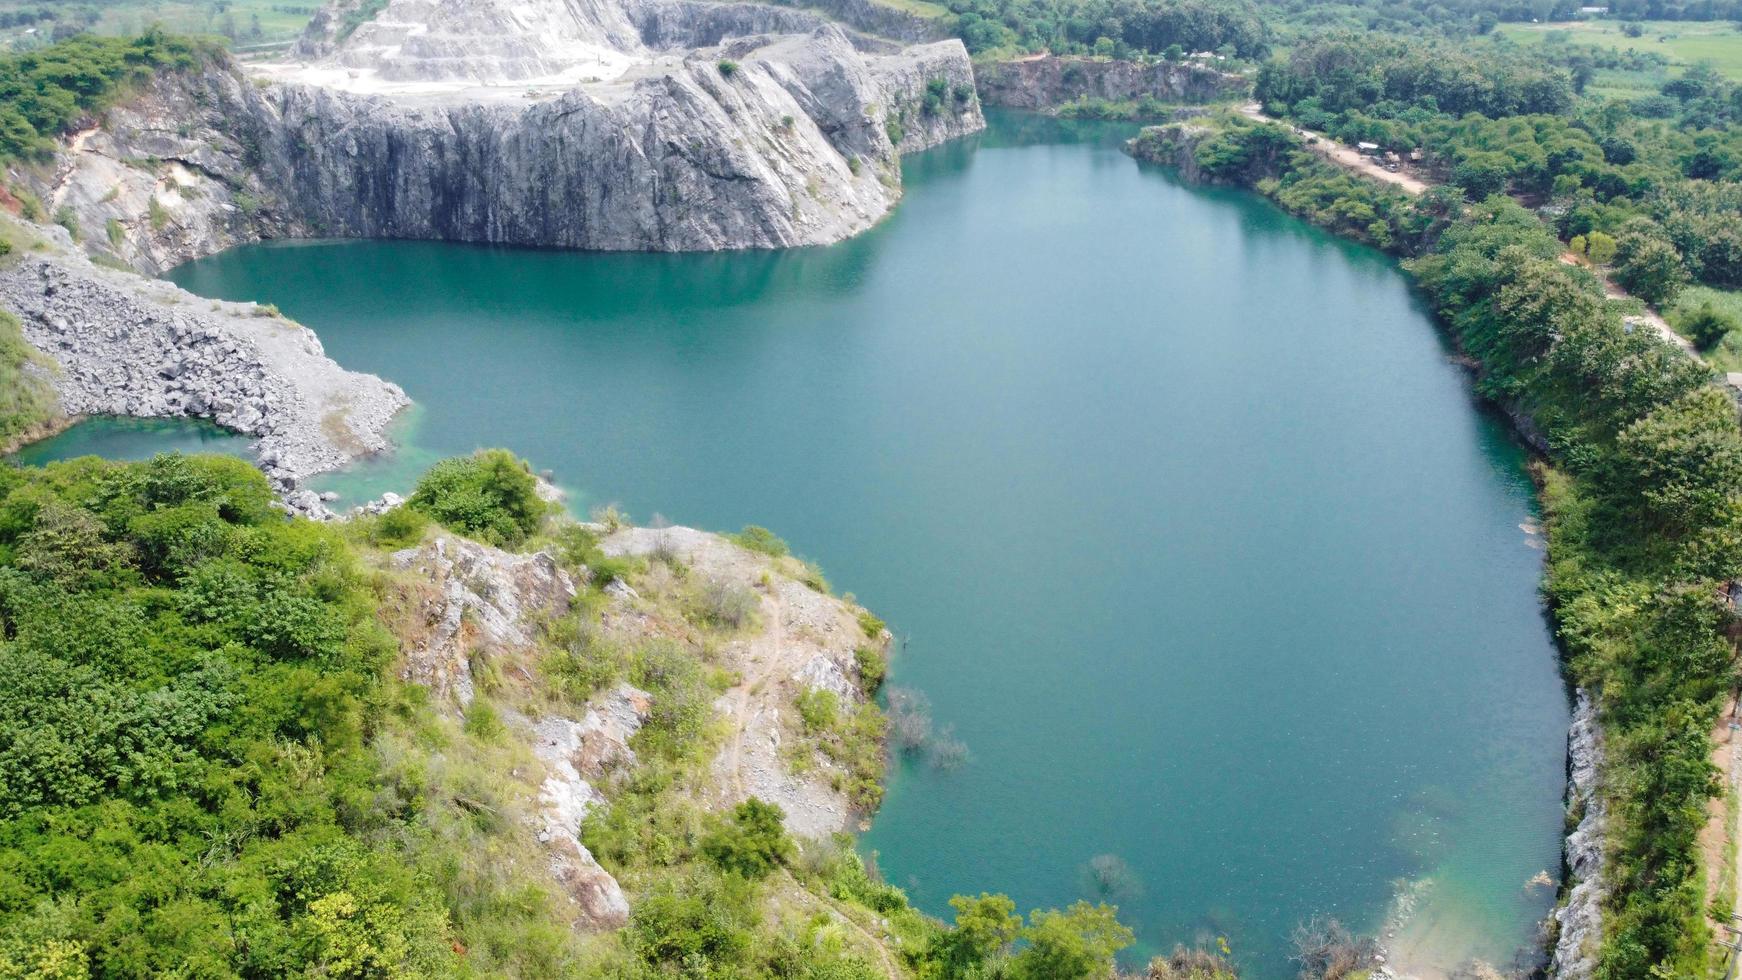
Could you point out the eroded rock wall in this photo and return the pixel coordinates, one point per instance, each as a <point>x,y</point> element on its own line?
<point>1045,83</point>
<point>716,126</point>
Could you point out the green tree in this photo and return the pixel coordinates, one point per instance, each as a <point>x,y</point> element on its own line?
<point>1599,248</point>
<point>1078,943</point>
<point>985,925</point>
<point>1649,267</point>
<point>490,494</point>
<point>752,842</point>
<point>1678,471</point>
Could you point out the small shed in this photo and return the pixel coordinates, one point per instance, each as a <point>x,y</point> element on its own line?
<point>1367,147</point>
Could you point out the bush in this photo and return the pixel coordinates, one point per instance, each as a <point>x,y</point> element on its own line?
<point>1706,327</point>
<point>45,92</point>
<point>490,495</point>
<point>66,218</point>
<point>752,842</point>
<point>400,527</point>
<point>1649,267</point>
<point>873,667</point>
<point>26,397</point>
<point>760,540</point>
<point>723,602</point>
<point>728,68</point>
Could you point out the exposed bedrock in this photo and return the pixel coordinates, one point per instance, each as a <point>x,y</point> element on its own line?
<point>1044,83</point>
<point>661,125</point>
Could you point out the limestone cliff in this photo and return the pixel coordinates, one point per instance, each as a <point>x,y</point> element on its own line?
<point>1048,82</point>
<point>615,124</point>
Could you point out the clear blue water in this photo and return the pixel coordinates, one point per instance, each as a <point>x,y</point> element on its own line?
<point>1189,527</point>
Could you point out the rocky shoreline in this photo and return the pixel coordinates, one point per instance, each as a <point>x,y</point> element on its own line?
<point>1580,918</point>
<point>130,346</point>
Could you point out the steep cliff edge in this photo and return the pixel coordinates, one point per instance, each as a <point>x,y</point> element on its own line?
<point>665,125</point>
<point>1052,81</point>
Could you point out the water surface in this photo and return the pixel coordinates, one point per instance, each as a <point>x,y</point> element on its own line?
<point>1189,528</point>
<point>119,438</point>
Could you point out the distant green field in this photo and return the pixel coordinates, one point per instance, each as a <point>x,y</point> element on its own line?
<point>247,21</point>
<point>1683,42</point>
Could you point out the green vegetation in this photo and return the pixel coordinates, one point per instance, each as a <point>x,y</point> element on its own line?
<point>1706,326</point>
<point>760,540</point>
<point>208,764</point>
<point>45,92</point>
<point>727,68</point>
<point>1681,42</point>
<point>245,23</point>
<point>188,685</point>
<point>1644,520</point>
<point>26,397</point>
<point>1111,27</point>
<point>489,495</point>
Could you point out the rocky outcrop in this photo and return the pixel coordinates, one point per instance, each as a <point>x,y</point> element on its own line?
<point>616,124</point>
<point>805,640</point>
<point>1051,81</point>
<point>1173,145</point>
<point>132,346</point>
<point>480,596</point>
<point>1580,917</point>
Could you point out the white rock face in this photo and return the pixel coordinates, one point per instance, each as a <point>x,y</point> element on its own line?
<point>485,597</point>
<point>569,751</point>
<point>1581,918</point>
<point>663,125</point>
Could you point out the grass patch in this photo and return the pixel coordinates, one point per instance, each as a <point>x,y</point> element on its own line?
<point>26,397</point>
<point>1682,41</point>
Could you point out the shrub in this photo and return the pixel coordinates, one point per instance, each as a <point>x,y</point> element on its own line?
<point>582,664</point>
<point>155,214</point>
<point>1705,326</point>
<point>66,218</point>
<point>728,68</point>
<point>723,602</point>
<point>400,527</point>
<point>752,842</point>
<point>26,397</point>
<point>1649,267</point>
<point>490,495</point>
<point>116,233</point>
<point>760,540</point>
<point>870,624</point>
<point>818,709</point>
<point>873,667</point>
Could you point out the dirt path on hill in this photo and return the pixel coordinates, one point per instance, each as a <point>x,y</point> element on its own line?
<point>765,656</point>
<point>834,909</point>
<point>1343,156</point>
<point>1650,315</point>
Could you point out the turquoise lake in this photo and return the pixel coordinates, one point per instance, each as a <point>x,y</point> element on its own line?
<point>1187,523</point>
